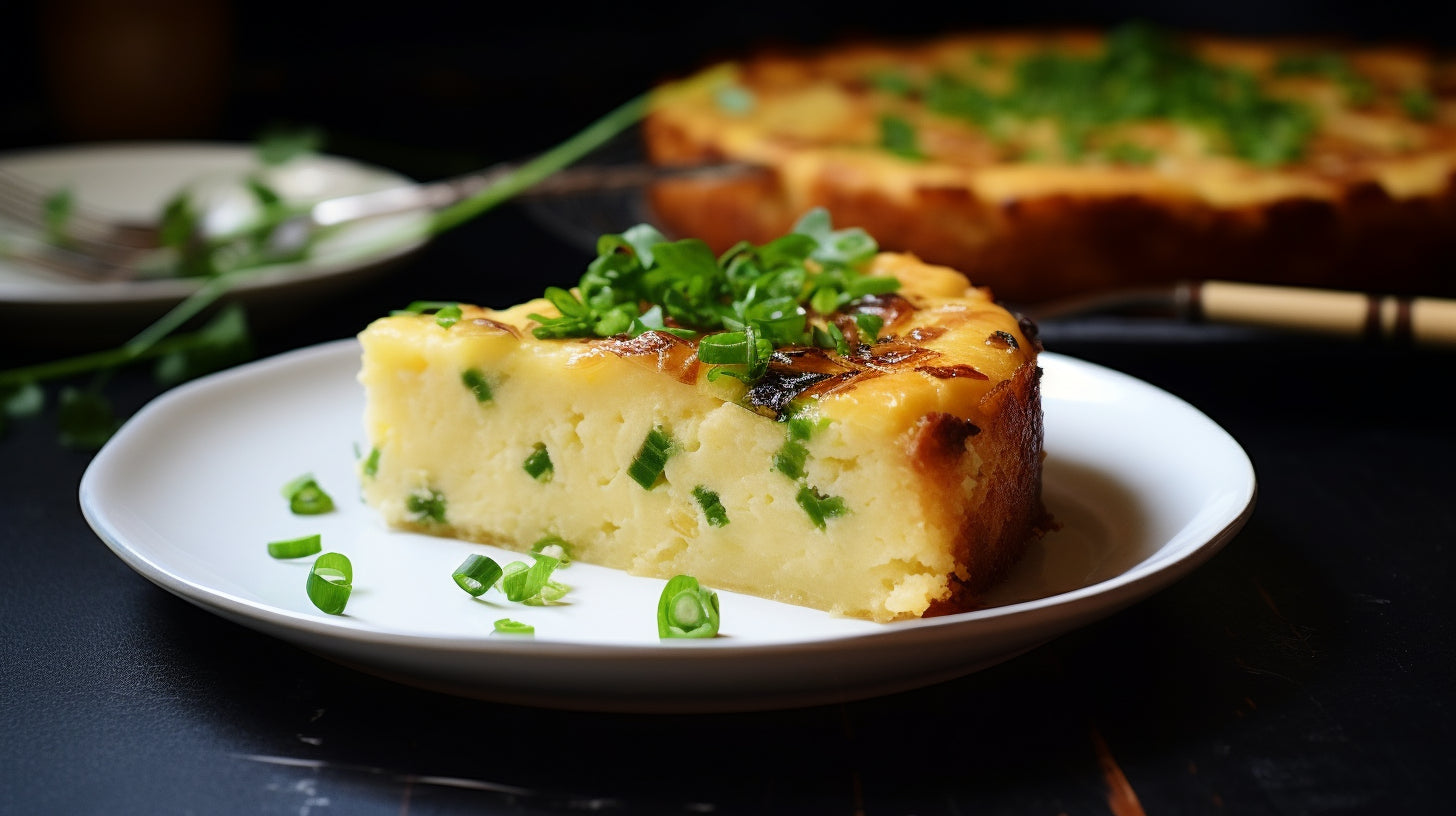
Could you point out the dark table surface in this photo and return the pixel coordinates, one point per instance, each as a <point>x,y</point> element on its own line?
<point>1307,668</point>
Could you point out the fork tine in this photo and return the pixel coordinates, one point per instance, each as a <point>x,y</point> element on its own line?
<point>25,202</point>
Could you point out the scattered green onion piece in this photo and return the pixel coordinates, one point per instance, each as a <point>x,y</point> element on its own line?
<point>651,458</point>
<point>506,626</point>
<point>476,574</point>
<point>712,506</point>
<point>371,465</point>
<point>550,593</point>
<point>296,547</point>
<point>556,547</point>
<point>474,379</point>
<point>538,463</point>
<point>522,583</point>
<point>426,505</point>
<point>330,582</point>
<point>687,610</point>
<point>306,497</point>
<point>819,507</point>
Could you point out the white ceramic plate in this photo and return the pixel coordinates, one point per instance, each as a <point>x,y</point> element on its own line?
<point>135,180</point>
<point>188,494</point>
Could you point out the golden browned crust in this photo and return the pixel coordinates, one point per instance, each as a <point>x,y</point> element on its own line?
<point>1370,205</point>
<point>1001,454</point>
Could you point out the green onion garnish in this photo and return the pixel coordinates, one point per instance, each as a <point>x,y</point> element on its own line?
<point>330,582</point>
<point>426,505</point>
<point>554,546</point>
<point>802,426</point>
<point>306,498</point>
<point>687,610</point>
<point>790,459</point>
<point>712,506</point>
<point>296,547</point>
<point>819,507</point>
<point>476,574</point>
<point>1418,104</point>
<point>531,584</point>
<point>740,305</point>
<point>538,463</point>
<point>371,465</point>
<point>475,380</point>
<point>447,312</point>
<point>506,626</point>
<point>651,458</point>
<point>898,136</point>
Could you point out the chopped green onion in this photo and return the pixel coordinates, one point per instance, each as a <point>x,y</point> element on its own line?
<point>651,458</point>
<point>447,312</point>
<point>371,465</point>
<point>1418,104</point>
<point>426,505</point>
<point>306,498</point>
<point>687,610</point>
<point>898,136</point>
<point>538,463</point>
<point>476,574</point>
<point>296,547</point>
<point>506,626</point>
<point>802,426</point>
<point>819,507</point>
<point>525,584</point>
<point>475,380</point>
<point>712,506</point>
<point>330,582</point>
<point>556,547</point>
<point>790,459</point>
<point>869,324</point>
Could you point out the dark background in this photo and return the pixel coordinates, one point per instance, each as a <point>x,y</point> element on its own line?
<point>1306,669</point>
<point>430,88</point>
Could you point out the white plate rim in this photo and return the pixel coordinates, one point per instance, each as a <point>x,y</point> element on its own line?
<point>339,637</point>
<point>201,156</point>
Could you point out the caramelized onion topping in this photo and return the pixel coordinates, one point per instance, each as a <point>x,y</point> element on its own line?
<point>953,371</point>
<point>670,354</point>
<point>796,372</point>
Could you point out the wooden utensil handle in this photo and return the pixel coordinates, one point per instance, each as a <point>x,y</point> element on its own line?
<point>1420,320</point>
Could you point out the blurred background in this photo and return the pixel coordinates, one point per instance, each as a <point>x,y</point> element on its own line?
<point>430,88</point>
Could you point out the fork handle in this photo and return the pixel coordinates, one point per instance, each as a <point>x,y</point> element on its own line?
<point>1419,320</point>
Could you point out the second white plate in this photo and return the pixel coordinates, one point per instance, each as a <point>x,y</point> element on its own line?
<point>134,180</point>
<point>187,494</point>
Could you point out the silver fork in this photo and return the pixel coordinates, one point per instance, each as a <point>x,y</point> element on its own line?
<point>97,247</point>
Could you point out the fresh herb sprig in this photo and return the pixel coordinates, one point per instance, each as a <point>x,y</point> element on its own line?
<point>740,306</point>
<point>220,275</point>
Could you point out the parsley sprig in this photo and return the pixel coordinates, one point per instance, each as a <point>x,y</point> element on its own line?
<point>740,306</point>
